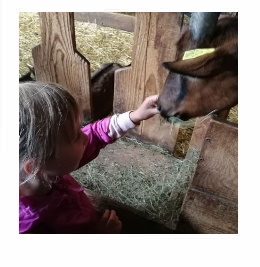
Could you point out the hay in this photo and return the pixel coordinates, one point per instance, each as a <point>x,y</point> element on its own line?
<point>98,44</point>
<point>154,195</point>
<point>29,36</point>
<point>103,45</point>
<point>233,115</point>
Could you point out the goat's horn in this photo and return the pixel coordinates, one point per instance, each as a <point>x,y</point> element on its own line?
<point>203,24</point>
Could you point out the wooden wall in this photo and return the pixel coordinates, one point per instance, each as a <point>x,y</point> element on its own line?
<point>211,203</point>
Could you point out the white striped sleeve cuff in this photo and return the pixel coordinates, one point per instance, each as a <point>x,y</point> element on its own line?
<point>120,124</point>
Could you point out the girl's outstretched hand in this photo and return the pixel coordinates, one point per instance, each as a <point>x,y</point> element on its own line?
<point>147,110</point>
<point>109,223</point>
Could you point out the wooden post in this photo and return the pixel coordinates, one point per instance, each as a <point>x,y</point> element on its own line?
<point>57,60</point>
<point>155,36</point>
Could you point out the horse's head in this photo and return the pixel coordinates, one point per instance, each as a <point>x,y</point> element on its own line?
<point>206,78</point>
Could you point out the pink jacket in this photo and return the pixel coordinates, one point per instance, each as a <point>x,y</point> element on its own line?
<point>67,209</point>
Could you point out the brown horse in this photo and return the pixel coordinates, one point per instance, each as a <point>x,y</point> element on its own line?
<point>205,83</point>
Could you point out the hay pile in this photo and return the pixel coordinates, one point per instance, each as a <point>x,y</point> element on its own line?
<point>155,191</point>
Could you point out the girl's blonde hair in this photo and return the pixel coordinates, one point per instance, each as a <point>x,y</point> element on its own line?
<point>43,109</point>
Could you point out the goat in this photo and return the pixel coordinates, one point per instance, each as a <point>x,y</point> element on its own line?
<point>102,86</point>
<point>208,82</point>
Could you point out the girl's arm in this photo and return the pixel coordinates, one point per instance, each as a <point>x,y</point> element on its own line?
<point>103,132</point>
<point>108,130</point>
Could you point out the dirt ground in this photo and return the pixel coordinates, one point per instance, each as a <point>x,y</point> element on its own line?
<point>144,177</point>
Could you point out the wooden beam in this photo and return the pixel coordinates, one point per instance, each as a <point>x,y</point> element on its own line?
<point>108,19</point>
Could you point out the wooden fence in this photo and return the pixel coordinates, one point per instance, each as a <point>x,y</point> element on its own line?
<point>57,60</point>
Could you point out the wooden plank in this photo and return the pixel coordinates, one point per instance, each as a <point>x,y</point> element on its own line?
<point>154,42</point>
<point>204,213</point>
<point>108,19</point>
<point>217,169</point>
<point>199,132</point>
<point>198,137</point>
<point>210,205</point>
<point>57,60</point>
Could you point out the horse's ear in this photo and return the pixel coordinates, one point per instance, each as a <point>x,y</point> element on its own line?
<point>222,59</point>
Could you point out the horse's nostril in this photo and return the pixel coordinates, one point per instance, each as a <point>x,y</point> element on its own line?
<point>159,107</point>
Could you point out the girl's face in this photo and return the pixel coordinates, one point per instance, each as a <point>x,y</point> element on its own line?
<point>70,149</point>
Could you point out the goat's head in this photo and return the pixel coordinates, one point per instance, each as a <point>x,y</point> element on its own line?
<point>196,86</point>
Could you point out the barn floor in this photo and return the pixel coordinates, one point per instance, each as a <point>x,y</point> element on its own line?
<point>144,178</point>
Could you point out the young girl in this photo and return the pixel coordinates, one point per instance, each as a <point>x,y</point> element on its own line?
<point>53,144</point>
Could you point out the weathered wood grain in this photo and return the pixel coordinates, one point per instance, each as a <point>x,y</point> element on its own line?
<point>154,42</point>
<point>204,213</point>
<point>57,60</point>
<point>198,137</point>
<point>211,203</point>
<point>217,169</point>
